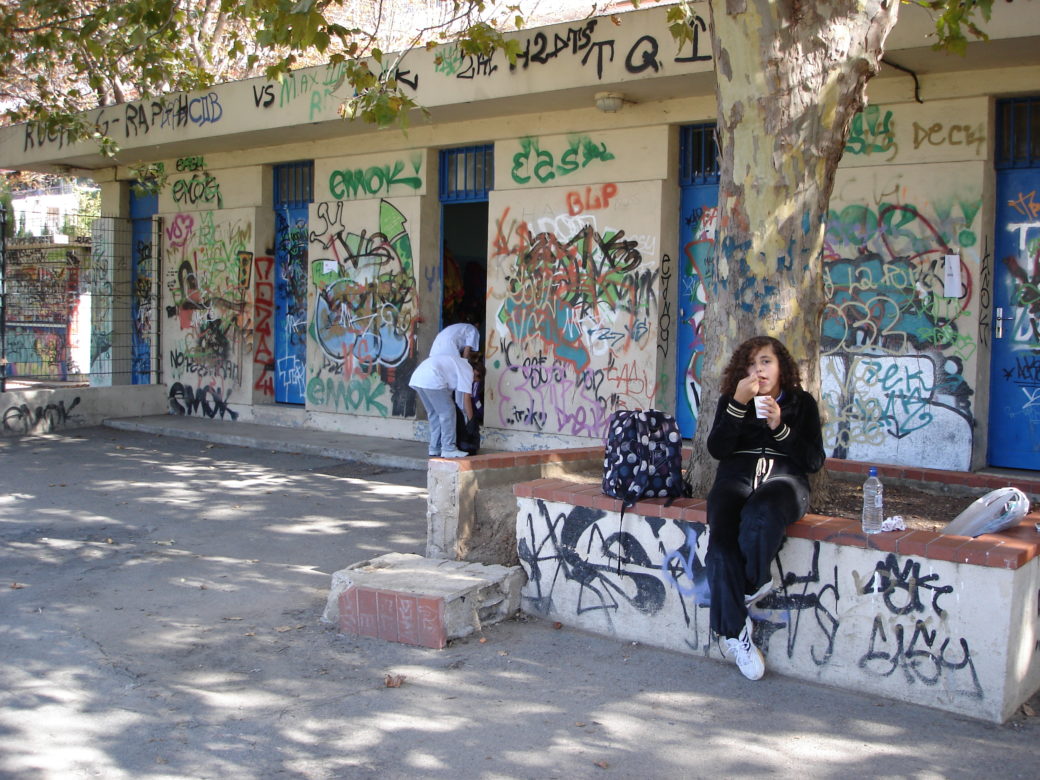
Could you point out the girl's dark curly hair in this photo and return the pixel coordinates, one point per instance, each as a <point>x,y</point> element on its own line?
<point>790,377</point>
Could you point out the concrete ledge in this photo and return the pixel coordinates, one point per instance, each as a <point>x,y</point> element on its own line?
<point>947,622</point>
<point>406,598</point>
<point>461,526</point>
<point>45,410</point>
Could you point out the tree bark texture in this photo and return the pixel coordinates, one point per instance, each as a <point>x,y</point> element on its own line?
<point>791,75</point>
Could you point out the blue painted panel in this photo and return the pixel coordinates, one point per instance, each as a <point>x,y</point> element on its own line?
<point>697,227</point>
<point>290,304</point>
<point>1014,419</point>
<point>142,282</point>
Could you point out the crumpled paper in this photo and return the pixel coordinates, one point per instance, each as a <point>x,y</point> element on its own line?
<point>893,523</point>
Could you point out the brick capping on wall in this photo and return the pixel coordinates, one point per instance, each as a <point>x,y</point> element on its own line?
<point>1028,483</point>
<point>1009,549</point>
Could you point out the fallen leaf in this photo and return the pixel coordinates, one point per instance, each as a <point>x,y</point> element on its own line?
<point>1028,710</point>
<point>579,724</point>
<point>109,540</point>
<point>249,633</point>
<point>393,680</point>
<point>557,625</point>
<point>483,640</point>
<point>16,586</point>
<point>283,629</point>
<point>602,764</point>
<point>502,652</point>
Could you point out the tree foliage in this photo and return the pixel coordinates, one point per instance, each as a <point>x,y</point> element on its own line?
<point>59,58</point>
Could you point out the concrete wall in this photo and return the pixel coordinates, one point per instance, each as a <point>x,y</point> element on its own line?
<point>575,280</point>
<point>904,359</point>
<point>954,636</point>
<point>584,271</point>
<point>471,511</point>
<point>27,412</point>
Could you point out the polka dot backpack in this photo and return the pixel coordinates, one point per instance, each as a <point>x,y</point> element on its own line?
<point>642,457</point>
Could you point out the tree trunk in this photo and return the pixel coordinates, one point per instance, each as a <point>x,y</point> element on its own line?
<point>791,75</point>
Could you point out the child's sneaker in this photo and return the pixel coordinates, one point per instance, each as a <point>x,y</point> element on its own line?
<point>454,454</point>
<point>748,657</point>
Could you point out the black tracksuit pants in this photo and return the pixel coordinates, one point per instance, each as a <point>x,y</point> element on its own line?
<point>750,505</point>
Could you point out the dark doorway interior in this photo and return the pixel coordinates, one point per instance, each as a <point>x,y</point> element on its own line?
<point>465,231</point>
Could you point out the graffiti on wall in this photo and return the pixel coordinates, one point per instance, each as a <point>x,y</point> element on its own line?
<point>263,332</point>
<point>908,635</point>
<point>142,310</point>
<point>895,347</point>
<point>586,565</point>
<point>43,334</point>
<point>575,323</point>
<point>316,88</point>
<point>874,131</point>
<point>292,239</point>
<point>101,283</point>
<point>128,120</point>
<point>22,419</point>
<point>397,177</point>
<point>1024,273</point>
<point>698,231</point>
<point>364,316</point>
<point>533,163</point>
<point>208,282</point>
<point>581,45</point>
<point>612,568</point>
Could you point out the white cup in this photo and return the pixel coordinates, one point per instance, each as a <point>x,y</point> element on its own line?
<point>761,410</point>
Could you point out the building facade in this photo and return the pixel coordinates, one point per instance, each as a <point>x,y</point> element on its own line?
<point>296,267</point>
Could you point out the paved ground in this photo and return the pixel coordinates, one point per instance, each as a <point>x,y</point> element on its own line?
<point>159,619</point>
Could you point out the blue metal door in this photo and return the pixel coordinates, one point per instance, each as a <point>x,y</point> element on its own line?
<point>293,195</point>
<point>698,220</point>
<point>1014,417</point>
<point>142,283</point>
<point>696,243</point>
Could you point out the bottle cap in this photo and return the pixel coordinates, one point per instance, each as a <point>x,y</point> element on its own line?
<point>872,472</point>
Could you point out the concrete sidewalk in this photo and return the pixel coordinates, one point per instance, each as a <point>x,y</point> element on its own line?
<point>379,451</point>
<point>159,618</point>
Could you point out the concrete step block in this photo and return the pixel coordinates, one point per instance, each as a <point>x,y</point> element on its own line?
<point>400,597</point>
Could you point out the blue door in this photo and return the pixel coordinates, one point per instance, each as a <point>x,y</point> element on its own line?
<point>1014,410</point>
<point>698,219</point>
<point>294,187</point>
<point>1014,417</point>
<point>142,284</point>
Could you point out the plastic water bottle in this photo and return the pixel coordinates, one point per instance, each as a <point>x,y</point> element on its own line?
<point>873,503</point>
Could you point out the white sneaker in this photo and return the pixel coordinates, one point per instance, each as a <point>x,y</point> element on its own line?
<point>748,657</point>
<point>454,454</point>
<point>761,593</point>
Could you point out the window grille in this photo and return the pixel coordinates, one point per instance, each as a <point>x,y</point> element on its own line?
<point>294,184</point>
<point>698,155</point>
<point>1018,133</point>
<point>466,173</point>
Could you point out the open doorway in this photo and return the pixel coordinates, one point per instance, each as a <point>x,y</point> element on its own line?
<point>466,177</point>
<point>465,232</point>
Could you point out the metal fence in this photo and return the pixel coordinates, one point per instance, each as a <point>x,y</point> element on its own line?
<point>79,307</point>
